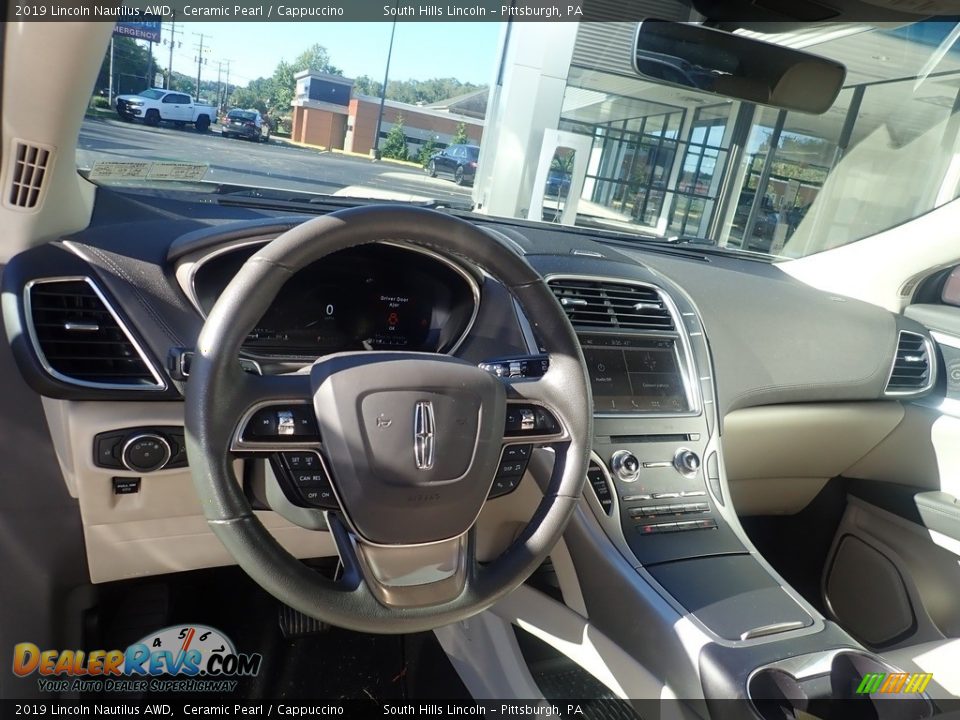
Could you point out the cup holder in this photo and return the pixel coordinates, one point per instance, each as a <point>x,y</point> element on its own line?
<point>824,685</point>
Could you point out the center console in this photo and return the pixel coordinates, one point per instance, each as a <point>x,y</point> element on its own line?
<point>656,493</point>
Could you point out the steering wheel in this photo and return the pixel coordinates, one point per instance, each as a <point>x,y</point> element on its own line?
<point>412,441</point>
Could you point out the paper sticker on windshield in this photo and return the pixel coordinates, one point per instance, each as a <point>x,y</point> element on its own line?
<point>148,170</point>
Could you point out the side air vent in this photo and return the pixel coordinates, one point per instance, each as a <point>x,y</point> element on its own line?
<point>622,306</point>
<point>912,370</point>
<point>29,170</point>
<point>81,340</point>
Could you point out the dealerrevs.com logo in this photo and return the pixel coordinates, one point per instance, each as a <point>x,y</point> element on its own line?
<point>181,658</point>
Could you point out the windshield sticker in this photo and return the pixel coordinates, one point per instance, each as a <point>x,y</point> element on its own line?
<point>156,170</point>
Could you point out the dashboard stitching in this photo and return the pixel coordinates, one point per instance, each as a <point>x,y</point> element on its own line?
<point>171,334</point>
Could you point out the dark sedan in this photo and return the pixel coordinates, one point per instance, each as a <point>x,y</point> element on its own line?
<point>457,161</point>
<point>249,124</point>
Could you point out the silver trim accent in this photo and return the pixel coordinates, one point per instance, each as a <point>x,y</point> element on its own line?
<point>931,364</point>
<point>168,452</point>
<point>187,284</point>
<point>285,423</point>
<point>159,383</point>
<point>688,371</point>
<point>81,327</point>
<point>424,434</point>
<point>772,629</point>
<point>240,445</point>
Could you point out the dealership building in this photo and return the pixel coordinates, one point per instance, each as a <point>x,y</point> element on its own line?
<point>643,155</point>
<point>327,113</point>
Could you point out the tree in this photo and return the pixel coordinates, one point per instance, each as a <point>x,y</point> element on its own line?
<point>426,150</point>
<point>395,144</point>
<point>461,136</point>
<point>131,64</point>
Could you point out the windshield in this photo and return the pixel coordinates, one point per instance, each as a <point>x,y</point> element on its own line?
<point>576,137</point>
<point>152,94</point>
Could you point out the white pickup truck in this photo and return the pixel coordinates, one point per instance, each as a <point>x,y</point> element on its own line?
<point>154,105</point>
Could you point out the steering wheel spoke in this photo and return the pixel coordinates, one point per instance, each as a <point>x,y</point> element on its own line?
<point>405,576</point>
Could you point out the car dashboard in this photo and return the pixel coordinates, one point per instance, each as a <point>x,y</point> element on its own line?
<point>103,325</point>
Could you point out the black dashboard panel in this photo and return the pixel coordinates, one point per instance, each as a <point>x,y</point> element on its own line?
<point>374,297</point>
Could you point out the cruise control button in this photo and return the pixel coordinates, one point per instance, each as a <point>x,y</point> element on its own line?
<point>322,497</point>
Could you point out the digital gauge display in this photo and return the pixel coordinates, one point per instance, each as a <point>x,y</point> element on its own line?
<point>373,297</point>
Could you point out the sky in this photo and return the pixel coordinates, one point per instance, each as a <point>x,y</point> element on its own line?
<point>466,51</point>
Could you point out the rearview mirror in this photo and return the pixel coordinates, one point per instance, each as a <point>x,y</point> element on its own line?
<point>721,63</point>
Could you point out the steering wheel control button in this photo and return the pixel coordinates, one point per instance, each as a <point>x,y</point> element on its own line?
<point>528,420</point>
<point>285,422</point>
<point>282,423</point>
<point>504,485</point>
<point>686,462</point>
<point>146,452</point>
<point>517,452</point>
<point>601,489</point>
<point>306,478</point>
<point>518,368</point>
<point>625,466</point>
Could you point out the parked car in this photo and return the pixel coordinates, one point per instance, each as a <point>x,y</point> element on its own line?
<point>248,124</point>
<point>458,161</point>
<point>558,184</point>
<point>154,105</point>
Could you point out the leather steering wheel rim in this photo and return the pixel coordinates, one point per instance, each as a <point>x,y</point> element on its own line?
<point>218,393</point>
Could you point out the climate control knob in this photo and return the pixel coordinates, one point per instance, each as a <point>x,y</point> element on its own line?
<point>687,462</point>
<point>625,465</point>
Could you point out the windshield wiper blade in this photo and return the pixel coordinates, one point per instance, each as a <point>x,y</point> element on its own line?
<point>237,194</point>
<point>689,240</point>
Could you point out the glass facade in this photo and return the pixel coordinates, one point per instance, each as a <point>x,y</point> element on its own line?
<point>676,162</point>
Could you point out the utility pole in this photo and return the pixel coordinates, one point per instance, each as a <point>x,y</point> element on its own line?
<point>219,86</point>
<point>200,61</point>
<point>110,89</point>
<point>222,89</point>
<point>227,89</point>
<point>383,94</point>
<point>173,42</point>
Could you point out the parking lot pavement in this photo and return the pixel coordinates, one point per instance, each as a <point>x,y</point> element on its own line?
<point>275,164</point>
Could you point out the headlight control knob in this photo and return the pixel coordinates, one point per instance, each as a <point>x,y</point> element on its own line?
<point>145,452</point>
<point>625,465</point>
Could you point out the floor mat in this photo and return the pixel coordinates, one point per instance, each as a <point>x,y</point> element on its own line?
<point>333,664</point>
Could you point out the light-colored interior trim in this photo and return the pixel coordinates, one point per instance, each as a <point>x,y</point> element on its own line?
<point>780,456</point>
<point>33,65</point>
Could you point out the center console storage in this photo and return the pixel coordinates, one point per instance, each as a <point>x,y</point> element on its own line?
<point>732,595</point>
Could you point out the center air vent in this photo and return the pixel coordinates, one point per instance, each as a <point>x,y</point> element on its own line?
<point>912,370</point>
<point>81,341</point>
<point>600,304</point>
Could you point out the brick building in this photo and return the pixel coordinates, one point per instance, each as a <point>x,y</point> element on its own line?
<point>326,112</point>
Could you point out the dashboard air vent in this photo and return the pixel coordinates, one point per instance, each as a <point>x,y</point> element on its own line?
<point>622,306</point>
<point>912,370</point>
<point>31,164</point>
<point>80,340</point>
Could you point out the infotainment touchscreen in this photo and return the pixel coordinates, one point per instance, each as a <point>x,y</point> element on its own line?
<point>634,375</point>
